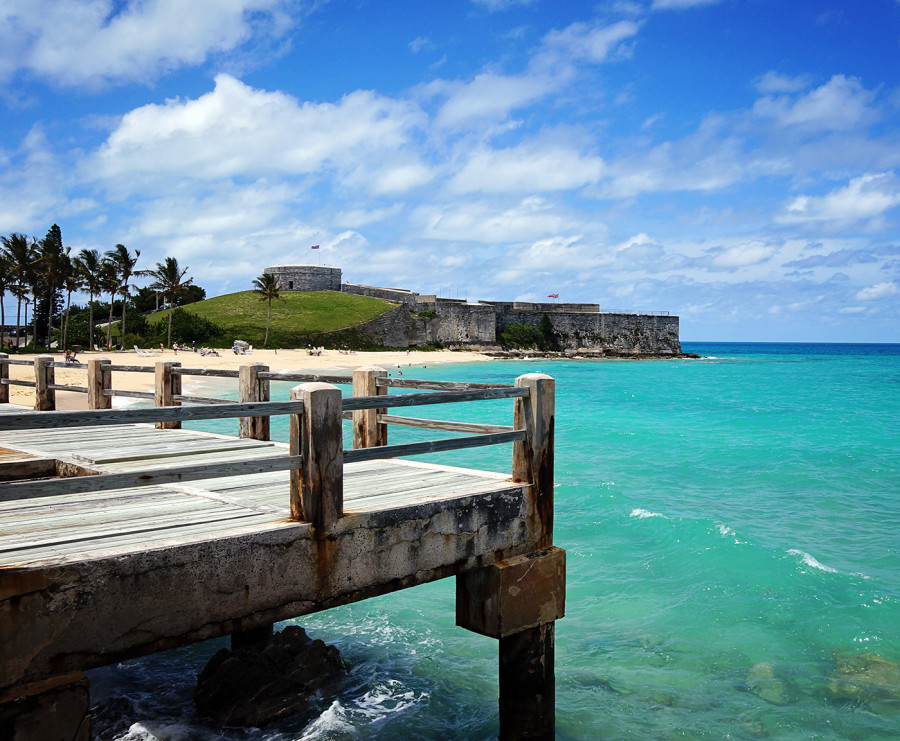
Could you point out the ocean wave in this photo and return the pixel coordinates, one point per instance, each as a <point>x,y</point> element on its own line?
<point>811,561</point>
<point>642,514</point>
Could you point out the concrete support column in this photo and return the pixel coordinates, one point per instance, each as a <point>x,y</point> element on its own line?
<point>317,489</point>
<point>99,381</point>
<point>167,387</point>
<point>44,378</point>
<point>367,432</point>
<point>4,376</point>
<point>253,388</point>
<point>518,601</point>
<point>52,710</point>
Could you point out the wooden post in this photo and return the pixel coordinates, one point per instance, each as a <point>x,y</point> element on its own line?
<point>168,385</point>
<point>4,376</point>
<point>367,432</point>
<point>533,457</point>
<point>99,381</point>
<point>317,489</point>
<point>44,377</point>
<point>253,388</point>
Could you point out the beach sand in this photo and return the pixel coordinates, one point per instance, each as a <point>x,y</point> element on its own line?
<point>277,360</point>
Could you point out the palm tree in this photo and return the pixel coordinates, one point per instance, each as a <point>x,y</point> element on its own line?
<point>20,254</point>
<point>72,282</point>
<point>109,280</point>
<point>266,287</point>
<point>168,278</point>
<point>124,262</point>
<point>89,265</point>
<point>5,281</point>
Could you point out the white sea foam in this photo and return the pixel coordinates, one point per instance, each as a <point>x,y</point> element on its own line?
<point>810,561</point>
<point>642,514</point>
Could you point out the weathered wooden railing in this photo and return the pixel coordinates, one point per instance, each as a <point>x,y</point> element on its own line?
<point>316,411</point>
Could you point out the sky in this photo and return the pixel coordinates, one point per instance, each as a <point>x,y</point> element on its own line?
<point>734,162</point>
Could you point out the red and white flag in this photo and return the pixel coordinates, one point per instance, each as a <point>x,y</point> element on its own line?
<point>314,247</point>
<point>552,295</point>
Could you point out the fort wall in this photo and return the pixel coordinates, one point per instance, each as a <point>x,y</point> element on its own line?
<point>306,277</point>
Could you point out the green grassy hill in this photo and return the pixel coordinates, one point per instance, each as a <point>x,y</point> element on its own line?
<point>297,320</point>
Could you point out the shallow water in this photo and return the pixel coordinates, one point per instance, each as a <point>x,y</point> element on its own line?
<point>732,527</point>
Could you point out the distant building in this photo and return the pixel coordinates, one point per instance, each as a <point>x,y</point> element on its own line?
<point>306,277</point>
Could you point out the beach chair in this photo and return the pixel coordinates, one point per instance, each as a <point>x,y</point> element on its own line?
<point>145,353</point>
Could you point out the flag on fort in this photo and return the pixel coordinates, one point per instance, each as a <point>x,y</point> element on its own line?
<point>314,247</point>
<point>552,295</point>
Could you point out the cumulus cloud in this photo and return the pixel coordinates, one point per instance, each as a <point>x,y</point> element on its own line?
<point>840,104</point>
<point>669,4</point>
<point>497,5</point>
<point>481,222</point>
<point>493,95</point>
<point>864,197</point>
<point>773,82</point>
<point>531,167</point>
<point>236,130</point>
<point>90,42</point>
<point>741,255</point>
<point>879,290</point>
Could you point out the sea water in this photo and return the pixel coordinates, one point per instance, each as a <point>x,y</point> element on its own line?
<point>732,526</point>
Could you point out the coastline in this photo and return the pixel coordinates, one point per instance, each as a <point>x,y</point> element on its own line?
<point>277,360</point>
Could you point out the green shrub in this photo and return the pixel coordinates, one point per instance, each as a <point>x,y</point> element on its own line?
<point>516,336</point>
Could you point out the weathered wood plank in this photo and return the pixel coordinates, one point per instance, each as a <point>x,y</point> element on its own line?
<point>367,432</point>
<point>437,397</point>
<point>209,372</point>
<point>31,489</point>
<point>56,419</point>
<point>305,377</point>
<point>433,446</point>
<point>446,425</point>
<point>414,383</point>
<point>156,452</point>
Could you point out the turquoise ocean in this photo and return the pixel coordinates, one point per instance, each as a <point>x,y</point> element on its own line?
<point>732,527</point>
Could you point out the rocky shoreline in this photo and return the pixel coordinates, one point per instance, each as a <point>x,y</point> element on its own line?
<point>583,355</point>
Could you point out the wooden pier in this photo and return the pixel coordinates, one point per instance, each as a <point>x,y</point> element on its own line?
<point>122,534</point>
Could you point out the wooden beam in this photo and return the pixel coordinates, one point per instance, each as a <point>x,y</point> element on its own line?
<point>432,446</point>
<point>367,432</point>
<point>44,377</point>
<point>442,424</point>
<point>4,376</point>
<point>533,456</point>
<point>320,498</point>
<point>99,382</point>
<point>95,417</point>
<point>252,388</point>
<point>166,387</point>
<point>437,397</point>
<point>105,482</point>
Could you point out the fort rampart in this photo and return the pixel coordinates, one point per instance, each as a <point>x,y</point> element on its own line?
<point>427,320</point>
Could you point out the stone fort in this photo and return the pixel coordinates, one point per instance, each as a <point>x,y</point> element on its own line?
<point>427,320</point>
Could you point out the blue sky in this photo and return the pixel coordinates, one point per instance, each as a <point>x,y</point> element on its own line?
<point>735,162</point>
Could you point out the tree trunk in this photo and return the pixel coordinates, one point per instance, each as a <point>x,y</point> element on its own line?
<point>65,327</point>
<point>91,322</point>
<point>124,304</point>
<point>268,317</point>
<point>112,303</point>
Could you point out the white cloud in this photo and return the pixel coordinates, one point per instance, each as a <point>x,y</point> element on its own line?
<point>418,43</point>
<point>879,290</point>
<point>491,95</point>
<point>96,41</point>
<point>239,131</point>
<point>495,5</point>
<point>840,104</point>
<point>865,197</point>
<point>479,222</point>
<point>741,255</point>
<point>668,4</point>
<point>530,167</point>
<point>773,82</point>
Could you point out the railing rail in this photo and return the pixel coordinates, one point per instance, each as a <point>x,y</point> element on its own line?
<point>316,410</point>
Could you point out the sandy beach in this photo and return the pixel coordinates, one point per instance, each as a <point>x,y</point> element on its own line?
<point>277,360</point>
